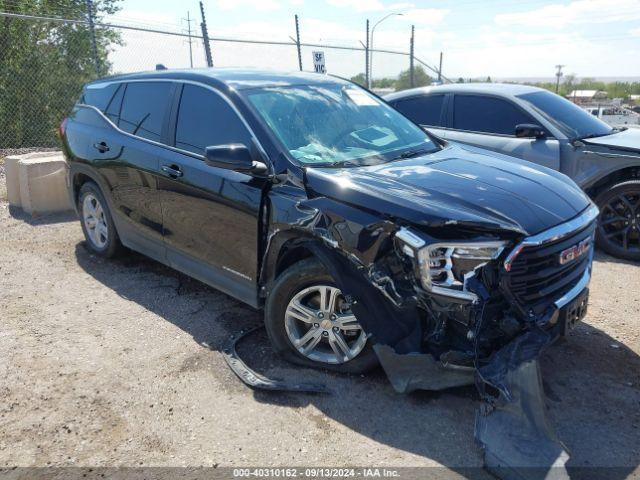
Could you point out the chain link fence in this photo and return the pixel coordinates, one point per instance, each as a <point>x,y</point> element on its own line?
<point>44,61</point>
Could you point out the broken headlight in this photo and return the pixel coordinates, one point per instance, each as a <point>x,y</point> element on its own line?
<point>444,267</point>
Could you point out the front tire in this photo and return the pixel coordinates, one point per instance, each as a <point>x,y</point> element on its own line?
<point>97,224</point>
<point>309,323</point>
<point>618,231</point>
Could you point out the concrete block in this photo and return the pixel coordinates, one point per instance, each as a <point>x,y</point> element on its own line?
<point>13,180</point>
<point>42,183</point>
<point>12,174</point>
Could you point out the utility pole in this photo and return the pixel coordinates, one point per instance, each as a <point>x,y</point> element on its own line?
<point>411,46</point>
<point>188,20</point>
<point>366,58</point>
<point>298,43</point>
<point>92,32</point>
<point>440,70</point>
<point>205,37</point>
<point>558,75</point>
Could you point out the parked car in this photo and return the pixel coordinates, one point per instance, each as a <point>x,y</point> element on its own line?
<point>614,115</point>
<point>544,128</point>
<point>309,197</point>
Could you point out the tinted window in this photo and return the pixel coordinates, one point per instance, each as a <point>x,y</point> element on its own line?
<point>205,119</point>
<point>144,107</point>
<point>573,121</point>
<point>487,114</point>
<point>113,107</point>
<point>423,110</point>
<point>99,96</point>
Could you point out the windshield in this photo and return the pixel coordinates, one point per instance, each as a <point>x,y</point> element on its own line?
<point>337,125</point>
<point>572,120</point>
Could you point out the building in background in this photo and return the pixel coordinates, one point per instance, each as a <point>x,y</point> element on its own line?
<point>583,97</point>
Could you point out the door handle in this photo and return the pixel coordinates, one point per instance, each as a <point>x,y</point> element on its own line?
<point>172,171</point>
<point>102,147</point>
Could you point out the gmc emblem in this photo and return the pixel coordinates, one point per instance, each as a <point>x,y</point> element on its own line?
<point>571,253</point>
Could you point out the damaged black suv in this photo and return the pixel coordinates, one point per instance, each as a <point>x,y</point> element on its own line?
<point>364,238</point>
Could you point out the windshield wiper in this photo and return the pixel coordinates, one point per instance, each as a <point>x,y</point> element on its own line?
<point>413,153</point>
<point>596,135</point>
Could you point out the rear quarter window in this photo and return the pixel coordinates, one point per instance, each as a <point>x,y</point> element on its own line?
<point>99,96</point>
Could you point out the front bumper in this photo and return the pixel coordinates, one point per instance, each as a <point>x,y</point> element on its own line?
<point>412,371</point>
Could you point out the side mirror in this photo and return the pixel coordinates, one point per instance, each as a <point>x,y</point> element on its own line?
<point>235,156</point>
<point>530,130</point>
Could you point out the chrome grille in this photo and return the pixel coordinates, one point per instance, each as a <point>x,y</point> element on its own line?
<point>536,278</point>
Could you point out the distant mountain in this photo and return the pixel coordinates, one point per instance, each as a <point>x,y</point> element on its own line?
<point>553,79</point>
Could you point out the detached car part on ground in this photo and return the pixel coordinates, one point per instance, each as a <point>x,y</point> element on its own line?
<point>364,238</point>
<point>542,127</point>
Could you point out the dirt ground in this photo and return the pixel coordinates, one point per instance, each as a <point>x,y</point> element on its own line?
<point>117,363</point>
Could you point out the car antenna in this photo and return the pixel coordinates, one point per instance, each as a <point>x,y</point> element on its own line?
<point>160,66</point>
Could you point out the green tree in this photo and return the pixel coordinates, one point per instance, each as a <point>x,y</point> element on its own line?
<point>420,76</point>
<point>43,65</point>
<point>360,79</point>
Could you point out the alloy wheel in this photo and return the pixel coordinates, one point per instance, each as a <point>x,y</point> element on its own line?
<point>321,326</point>
<point>94,221</point>
<point>619,222</point>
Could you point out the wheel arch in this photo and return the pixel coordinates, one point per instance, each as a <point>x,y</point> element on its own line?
<point>612,178</point>
<point>79,174</point>
<point>284,250</point>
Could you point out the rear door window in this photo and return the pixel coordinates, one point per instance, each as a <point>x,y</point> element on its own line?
<point>144,107</point>
<point>478,113</point>
<point>206,119</point>
<point>423,110</point>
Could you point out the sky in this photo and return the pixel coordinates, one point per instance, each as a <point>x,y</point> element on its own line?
<point>497,38</point>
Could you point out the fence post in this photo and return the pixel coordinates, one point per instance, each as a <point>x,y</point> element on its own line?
<point>366,59</point>
<point>298,43</point>
<point>411,46</point>
<point>92,32</point>
<point>205,37</point>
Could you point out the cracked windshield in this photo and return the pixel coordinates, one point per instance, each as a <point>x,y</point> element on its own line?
<point>337,125</point>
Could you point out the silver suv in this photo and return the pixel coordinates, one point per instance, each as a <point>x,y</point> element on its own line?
<point>544,128</point>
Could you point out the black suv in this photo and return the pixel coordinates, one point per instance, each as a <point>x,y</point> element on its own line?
<point>364,238</point>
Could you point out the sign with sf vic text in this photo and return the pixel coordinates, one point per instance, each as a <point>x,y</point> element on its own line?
<point>318,62</point>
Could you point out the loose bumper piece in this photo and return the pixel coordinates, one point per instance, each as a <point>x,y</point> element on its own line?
<point>420,371</point>
<point>518,440</point>
<point>253,379</point>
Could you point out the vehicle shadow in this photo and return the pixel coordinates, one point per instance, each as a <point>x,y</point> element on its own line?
<point>592,387</point>
<point>44,219</point>
<point>601,256</point>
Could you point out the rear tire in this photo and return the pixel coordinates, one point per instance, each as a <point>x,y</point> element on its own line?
<point>618,231</point>
<point>340,344</point>
<point>97,224</point>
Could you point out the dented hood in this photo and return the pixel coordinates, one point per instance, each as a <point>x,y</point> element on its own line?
<point>628,139</point>
<point>457,185</point>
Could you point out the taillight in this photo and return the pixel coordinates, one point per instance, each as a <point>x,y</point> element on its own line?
<point>63,127</point>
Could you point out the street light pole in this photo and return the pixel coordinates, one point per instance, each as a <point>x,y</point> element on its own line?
<point>371,44</point>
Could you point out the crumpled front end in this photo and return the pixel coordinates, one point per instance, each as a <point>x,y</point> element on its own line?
<point>476,304</point>
<point>540,284</point>
<point>520,304</point>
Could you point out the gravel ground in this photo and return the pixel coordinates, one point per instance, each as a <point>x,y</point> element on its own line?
<point>112,363</point>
